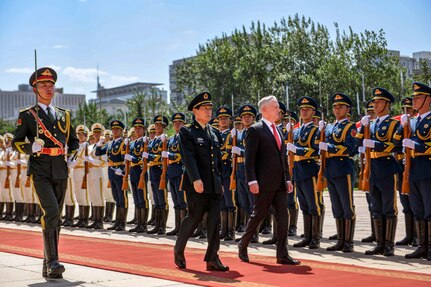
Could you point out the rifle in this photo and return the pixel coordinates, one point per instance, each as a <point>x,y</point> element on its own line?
<point>37,139</point>
<point>290,159</point>
<point>162,184</point>
<point>18,173</point>
<point>142,183</point>
<point>125,185</point>
<point>367,166</point>
<point>84,179</point>
<point>232,185</point>
<point>320,186</point>
<point>7,180</point>
<point>405,188</point>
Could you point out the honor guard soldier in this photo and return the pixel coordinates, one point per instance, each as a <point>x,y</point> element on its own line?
<point>140,196</point>
<point>9,179</point>
<point>27,189</point>
<point>200,150</point>
<point>214,123</point>
<point>175,172</point>
<point>228,204</point>
<point>155,158</point>
<point>49,131</point>
<point>107,192</point>
<point>410,238</point>
<point>372,115</point>
<point>419,144</point>
<point>305,172</point>
<point>245,198</point>
<point>2,176</point>
<point>115,151</point>
<point>384,171</point>
<point>95,178</point>
<point>339,147</point>
<point>79,178</point>
<point>151,136</point>
<point>317,117</point>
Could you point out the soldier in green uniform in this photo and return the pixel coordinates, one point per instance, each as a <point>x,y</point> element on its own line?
<point>51,138</point>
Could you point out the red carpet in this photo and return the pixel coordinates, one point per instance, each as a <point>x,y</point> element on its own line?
<point>157,261</point>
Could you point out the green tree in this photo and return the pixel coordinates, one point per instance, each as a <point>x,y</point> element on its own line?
<point>89,114</point>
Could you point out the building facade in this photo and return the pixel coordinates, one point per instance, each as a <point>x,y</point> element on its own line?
<point>177,97</point>
<point>11,102</point>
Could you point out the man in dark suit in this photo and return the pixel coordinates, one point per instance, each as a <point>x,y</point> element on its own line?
<point>200,150</point>
<point>49,131</point>
<point>268,178</point>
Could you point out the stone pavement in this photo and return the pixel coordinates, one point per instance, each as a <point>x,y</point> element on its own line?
<point>25,271</point>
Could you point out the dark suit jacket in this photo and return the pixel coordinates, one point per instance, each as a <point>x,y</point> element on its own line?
<point>264,162</point>
<point>54,167</point>
<point>201,157</point>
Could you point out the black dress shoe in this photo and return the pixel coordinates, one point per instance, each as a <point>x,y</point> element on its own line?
<point>270,241</point>
<point>242,253</point>
<point>216,265</point>
<point>180,260</point>
<point>288,260</point>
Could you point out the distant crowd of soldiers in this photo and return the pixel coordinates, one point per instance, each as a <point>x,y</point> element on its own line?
<point>110,163</point>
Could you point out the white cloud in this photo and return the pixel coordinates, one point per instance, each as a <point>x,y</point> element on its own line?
<point>56,68</point>
<point>59,46</point>
<point>89,75</point>
<point>19,70</point>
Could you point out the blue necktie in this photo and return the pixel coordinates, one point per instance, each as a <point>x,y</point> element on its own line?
<point>418,121</point>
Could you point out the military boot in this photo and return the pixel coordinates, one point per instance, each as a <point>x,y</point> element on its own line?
<point>152,220</point>
<point>117,219</point>
<point>273,239</point>
<point>53,268</point>
<point>30,213</point>
<point>307,232</point>
<point>349,231</point>
<point>177,223</point>
<point>408,217</point>
<point>157,218</point>
<point>9,211</point>
<point>421,251</point>
<point>293,222</point>
<point>68,220</point>
<point>144,218</point>
<point>85,216</point>
<point>339,223</point>
<point>109,211</point>
<point>429,240</point>
<point>135,218</point>
<point>224,224</point>
<point>231,219</point>
<point>372,237</point>
<point>99,218</point>
<point>19,212</point>
<point>138,220</point>
<point>163,221</point>
<point>123,219</point>
<point>315,232</point>
<point>391,227</point>
<point>379,235</point>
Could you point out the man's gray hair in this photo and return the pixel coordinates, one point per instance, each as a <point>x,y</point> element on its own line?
<point>264,101</point>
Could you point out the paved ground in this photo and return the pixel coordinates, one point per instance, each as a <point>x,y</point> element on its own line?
<point>25,271</point>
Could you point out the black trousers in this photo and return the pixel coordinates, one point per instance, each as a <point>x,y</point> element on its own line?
<point>51,193</point>
<point>198,204</point>
<point>263,201</point>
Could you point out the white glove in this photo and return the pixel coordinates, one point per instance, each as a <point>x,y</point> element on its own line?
<point>289,127</point>
<point>323,145</point>
<point>10,164</point>
<point>22,161</point>
<point>145,155</point>
<point>118,171</point>
<point>404,119</point>
<point>409,143</point>
<point>236,150</point>
<point>322,125</point>
<point>101,142</point>
<point>165,154</point>
<point>233,132</point>
<point>291,147</point>
<point>36,147</point>
<point>145,139</point>
<point>126,141</point>
<point>88,159</point>
<point>71,164</point>
<point>83,145</point>
<point>163,137</point>
<point>361,149</point>
<point>369,143</point>
<point>104,157</point>
<point>365,121</point>
<point>128,157</point>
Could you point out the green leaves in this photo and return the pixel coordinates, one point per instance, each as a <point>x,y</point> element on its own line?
<point>261,60</point>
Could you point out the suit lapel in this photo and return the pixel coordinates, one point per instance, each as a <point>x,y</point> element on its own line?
<point>270,134</point>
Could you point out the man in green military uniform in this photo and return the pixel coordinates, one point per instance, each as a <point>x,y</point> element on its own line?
<point>50,138</point>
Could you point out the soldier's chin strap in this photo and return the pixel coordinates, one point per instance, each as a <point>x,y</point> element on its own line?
<point>423,102</point>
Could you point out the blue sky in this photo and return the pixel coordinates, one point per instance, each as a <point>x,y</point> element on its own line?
<point>137,40</point>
